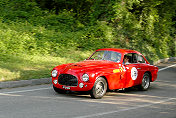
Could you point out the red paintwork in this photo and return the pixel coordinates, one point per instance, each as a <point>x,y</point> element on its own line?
<point>106,69</point>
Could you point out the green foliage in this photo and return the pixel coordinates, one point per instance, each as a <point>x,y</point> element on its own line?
<point>46,27</point>
<point>18,10</point>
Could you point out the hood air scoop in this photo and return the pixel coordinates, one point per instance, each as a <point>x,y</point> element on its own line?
<point>77,65</point>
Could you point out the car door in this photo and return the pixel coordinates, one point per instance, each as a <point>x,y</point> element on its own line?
<point>133,71</point>
<point>143,66</point>
<point>120,76</point>
<point>116,78</point>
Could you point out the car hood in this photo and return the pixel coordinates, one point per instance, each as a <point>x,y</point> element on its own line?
<point>89,65</point>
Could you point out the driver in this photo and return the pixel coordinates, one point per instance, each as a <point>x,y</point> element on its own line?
<point>125,60</point>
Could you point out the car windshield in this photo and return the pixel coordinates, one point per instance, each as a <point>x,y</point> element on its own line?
<point>106,55</point>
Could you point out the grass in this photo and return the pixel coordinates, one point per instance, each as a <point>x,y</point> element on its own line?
<point>24,67</point>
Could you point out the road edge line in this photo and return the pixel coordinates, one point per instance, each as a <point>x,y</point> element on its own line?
<point>166,67</point>
<point>22,83</point>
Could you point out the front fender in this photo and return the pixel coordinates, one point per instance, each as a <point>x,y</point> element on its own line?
<point>105,73</point>
<point>59,67</point>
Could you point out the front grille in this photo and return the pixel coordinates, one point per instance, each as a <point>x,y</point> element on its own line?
<point>67,80</point>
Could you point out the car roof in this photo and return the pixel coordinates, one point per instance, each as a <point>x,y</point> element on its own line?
<point>122,51</point>
<point>119,50</point>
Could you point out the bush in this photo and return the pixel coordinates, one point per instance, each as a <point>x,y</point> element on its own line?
<point>28,27</point>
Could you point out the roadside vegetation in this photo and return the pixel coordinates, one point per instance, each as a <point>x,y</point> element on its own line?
<point>37,35</point>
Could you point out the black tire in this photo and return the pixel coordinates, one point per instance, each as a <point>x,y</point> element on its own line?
<point>59,90</point>
<point>99,89</point>
<point>145,82</point>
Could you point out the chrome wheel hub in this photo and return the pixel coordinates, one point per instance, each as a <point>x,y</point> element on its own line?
<point>145,82</point>
<point>99,88</point>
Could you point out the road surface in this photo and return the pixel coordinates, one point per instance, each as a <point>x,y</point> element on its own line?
<point>42,102</point>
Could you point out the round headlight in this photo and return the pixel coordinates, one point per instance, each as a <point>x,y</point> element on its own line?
<point>85,77</point>
<point>54,73</point>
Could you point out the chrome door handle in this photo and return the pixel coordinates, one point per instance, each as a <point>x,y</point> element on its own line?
<point>138,68</point>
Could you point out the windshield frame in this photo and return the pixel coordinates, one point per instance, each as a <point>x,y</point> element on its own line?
<point>117,60</point>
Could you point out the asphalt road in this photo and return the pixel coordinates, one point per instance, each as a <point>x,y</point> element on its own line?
<point>42,102</point>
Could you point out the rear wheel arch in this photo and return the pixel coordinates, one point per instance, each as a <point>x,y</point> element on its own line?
<point>150,74</point>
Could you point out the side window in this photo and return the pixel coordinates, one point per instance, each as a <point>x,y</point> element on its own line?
<point>140,59</point>
<point>134,58</point>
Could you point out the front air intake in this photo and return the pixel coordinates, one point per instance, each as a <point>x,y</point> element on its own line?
<point>67,80</point>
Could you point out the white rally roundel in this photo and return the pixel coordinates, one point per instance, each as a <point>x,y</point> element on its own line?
<point>134,73</point>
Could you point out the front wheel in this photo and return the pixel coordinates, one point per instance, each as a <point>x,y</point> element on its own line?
<point>99,88</point>
<point>145,82</point>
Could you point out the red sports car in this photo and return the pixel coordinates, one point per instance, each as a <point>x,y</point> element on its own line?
<point>106,69</point>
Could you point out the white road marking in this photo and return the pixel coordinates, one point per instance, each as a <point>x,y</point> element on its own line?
<point>127,109</point>
<point>4,94</point>
<point>26,90</point>
<point>166,68</point>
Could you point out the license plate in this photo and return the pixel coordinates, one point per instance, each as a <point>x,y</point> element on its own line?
<point>66,87</point>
